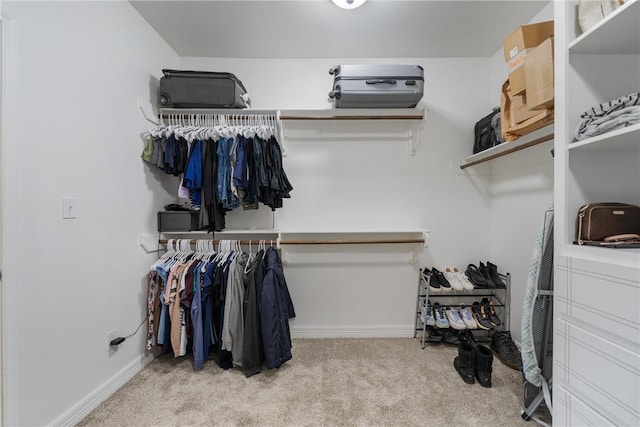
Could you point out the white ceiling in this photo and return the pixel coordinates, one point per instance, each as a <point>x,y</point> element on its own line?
<point>319,29</point>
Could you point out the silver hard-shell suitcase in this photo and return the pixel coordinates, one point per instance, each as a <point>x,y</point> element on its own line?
<point>377,86</point>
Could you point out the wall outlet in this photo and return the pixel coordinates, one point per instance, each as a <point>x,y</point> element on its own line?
<point>110,337</point>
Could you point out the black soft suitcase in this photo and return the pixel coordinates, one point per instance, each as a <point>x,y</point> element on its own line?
<point>201,89</point>
<point>377,86</point>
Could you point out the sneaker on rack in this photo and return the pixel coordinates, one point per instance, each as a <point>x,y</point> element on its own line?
<point>440,315</point>
<point>467,317</point>
<point>463,279</point>
<point>444,283</point>
<point>487,304</point>
<point>450,336</point>
<point>434,335</point>
<point>429,318</point>
<point>454,319</point>
<point>505,349</point>
<point>452,278</point>
<point>429,279</point>
<point>480,316</point>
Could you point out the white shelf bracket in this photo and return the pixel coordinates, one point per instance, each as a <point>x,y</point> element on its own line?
<point>144,114</point>
<point>281,136</point>
<point>414,139</point>
<point>414,254</point>
<point>149,243</point>
<point>425,236</point>
<point>284,257</point>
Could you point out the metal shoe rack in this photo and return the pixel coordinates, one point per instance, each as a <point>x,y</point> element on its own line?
<point>501,299</point>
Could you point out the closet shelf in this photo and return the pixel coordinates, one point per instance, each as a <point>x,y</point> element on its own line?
<point>618,33</point>
<point>534,138</point>
<point>621,139</point>
<point>621,257</point>
<point>164,112</point>
<point>355,114</point>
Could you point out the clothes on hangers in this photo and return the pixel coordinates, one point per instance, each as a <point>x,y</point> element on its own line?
<point>227,301</point>
<point>222,167</point>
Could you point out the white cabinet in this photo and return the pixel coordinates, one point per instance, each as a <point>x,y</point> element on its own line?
<point>597,290</point>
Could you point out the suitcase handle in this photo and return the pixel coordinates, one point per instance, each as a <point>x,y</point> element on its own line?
<point>381,81</point>
<point>336,93</point>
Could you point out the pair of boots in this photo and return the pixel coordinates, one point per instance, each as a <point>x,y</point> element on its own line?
<point>474,362</point>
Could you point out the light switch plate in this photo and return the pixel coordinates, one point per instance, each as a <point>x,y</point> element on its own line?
<point>69,208</point>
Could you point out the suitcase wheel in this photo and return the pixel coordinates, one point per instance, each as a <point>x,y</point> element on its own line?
<point>163,100</point>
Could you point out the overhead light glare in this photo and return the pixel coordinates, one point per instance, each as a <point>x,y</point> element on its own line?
<point>348,4</point>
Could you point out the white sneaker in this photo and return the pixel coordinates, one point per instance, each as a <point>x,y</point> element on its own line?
<point>453,279</point>
<point>467,318</point>
<point>454,319</point>
<point>463,279</point>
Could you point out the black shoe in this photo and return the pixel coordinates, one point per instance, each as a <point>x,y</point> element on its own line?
<point>465,363</point>
<point>466,336</point>
<point>484,271</point>
<point>450,336</point>
<point>484,365</point>
<point>431,280</point>
<point>444,283</point>
<point>491,312</point>
<point>481,317</point>
<point>433,335</point>
<point>505,349</point>
<point>475,277</point>
<point>495,277</point>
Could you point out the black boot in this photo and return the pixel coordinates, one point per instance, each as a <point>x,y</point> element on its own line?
<point>483,368</point>
<point>484,271</point>
<point>493,273</point>
<point>465,362</point>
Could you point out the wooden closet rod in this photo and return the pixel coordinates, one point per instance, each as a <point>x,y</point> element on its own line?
<point>406,117</point>
<point>509,151</point>
<point>315,242</point>
<point>350,242</point>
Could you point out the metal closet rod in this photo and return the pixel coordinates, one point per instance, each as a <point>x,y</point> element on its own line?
<point>310,242</point>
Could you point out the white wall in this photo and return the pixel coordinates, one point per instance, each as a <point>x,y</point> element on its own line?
<point>345,179</point>
<point>521,192</point>
<point>72,128</point>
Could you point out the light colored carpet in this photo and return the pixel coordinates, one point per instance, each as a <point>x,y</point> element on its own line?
<point>329,382</point>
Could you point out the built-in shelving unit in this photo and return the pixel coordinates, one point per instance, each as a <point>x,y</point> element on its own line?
<point>596,358</point>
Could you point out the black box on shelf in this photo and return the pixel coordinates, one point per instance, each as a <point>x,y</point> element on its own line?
<point>178,221</point>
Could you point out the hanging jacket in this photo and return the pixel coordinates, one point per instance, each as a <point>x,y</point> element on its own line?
<point>275,308</point>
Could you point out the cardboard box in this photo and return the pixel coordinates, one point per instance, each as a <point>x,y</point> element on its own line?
<point>518,46</point>
<point>526,37</point>
<point>512,130</point>
<point>539,76</point>
<point>520,110</point>
<point>518,81</point>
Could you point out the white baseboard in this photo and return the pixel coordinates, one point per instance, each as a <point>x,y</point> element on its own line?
<point>381,331</point>
<point>81,409</point>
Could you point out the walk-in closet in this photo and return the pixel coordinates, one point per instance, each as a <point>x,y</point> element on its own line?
<point>323,243</point>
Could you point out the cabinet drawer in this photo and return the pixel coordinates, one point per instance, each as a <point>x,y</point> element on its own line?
<point>568,410</point>
<point>602,295</point>
<point>606,374</point>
